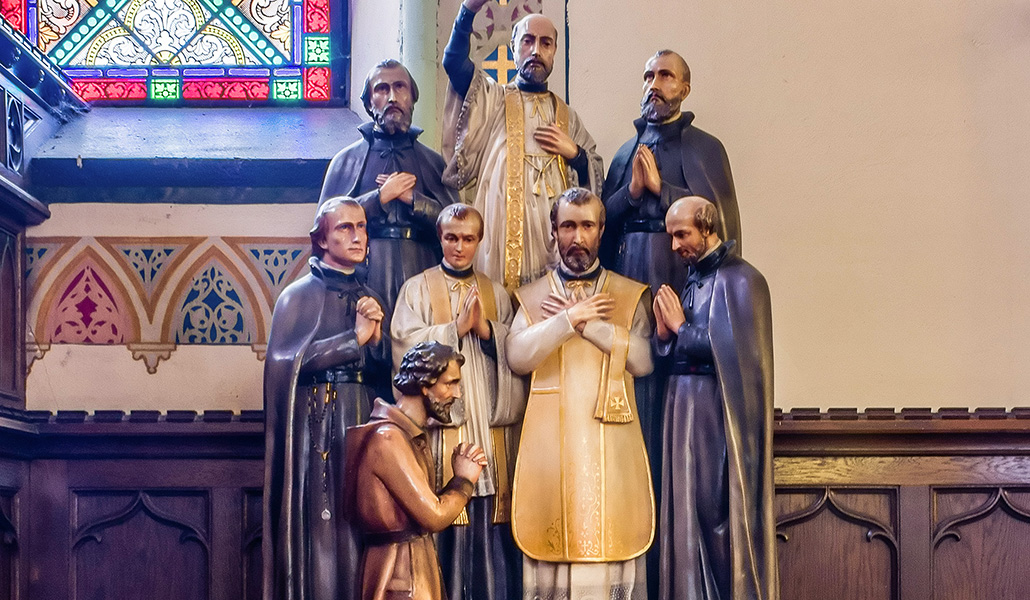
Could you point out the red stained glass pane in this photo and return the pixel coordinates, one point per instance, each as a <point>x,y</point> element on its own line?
<point>110,89</point>
<point>225,89</point>
<point>316,16</point>
<point>316,84</point>
<point>14,12</point>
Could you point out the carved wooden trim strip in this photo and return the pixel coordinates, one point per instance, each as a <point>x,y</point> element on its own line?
<point>901,470</point>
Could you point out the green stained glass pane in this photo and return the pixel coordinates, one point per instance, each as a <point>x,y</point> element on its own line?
<point>164,89</point>
<point>286,89</point>
<point>316,50</point>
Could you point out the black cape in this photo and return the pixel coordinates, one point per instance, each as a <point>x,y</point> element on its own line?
<point>295,322</point>
<point>740,330</point>
<point>706,170</point>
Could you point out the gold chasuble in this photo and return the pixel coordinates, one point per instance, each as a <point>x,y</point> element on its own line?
<point>582,489</point>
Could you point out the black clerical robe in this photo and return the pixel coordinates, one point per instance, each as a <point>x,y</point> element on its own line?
<point>716,530</point>
<point>402,238</point>
<point>691,162</point>
<point>314,389</point>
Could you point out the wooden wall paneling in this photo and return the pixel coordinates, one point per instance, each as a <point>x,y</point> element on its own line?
<point>49,531</point>
<point>253,499</point>
<point>981,543</point>
<point>12,530</point>
<point>226,542</point>
<point>848,536</point>
<point>140,544</point>
<point>201,541</point>
<point>914,542</point>
<point>11,315</point>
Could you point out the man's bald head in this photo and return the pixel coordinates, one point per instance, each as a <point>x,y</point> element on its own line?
<point>538,21</point>
<point>692,222</point>
<point>534,40</point>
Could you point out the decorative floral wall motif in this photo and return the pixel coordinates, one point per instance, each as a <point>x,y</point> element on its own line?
<point>154,294</point>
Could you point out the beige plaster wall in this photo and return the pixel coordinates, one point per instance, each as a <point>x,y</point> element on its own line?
<point>882,162</point>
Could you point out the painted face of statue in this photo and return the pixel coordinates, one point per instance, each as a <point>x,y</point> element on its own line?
<point>665,88</point>
<point>459,240</point>
<point>687,240</point>
<point>441,395</point>
<point>533,45</point>
<point>392,101</point>
<point>346,240</point>
<point>579,234</point>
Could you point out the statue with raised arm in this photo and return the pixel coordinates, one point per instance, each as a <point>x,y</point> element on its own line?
<point>456,305</point>
<point>391,492</point>
<point>396,179</point>
<point>520,144</point>
<point>583,508</point>
<point>717,537</point>
<point>325,341</point>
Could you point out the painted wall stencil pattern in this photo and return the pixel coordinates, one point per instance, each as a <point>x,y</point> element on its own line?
<point>155,294</point>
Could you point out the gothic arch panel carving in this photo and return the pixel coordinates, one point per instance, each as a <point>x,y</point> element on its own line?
<point>848,534</point>
<point>980,541</point>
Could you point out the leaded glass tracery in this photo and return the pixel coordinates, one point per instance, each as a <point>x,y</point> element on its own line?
<point>185,50</point>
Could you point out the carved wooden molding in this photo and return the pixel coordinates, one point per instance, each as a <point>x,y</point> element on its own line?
<point>141,503</point>
<point>1000,499</point>
<point>828,500</point>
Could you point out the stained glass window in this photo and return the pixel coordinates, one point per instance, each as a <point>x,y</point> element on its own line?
<point>187,51</point>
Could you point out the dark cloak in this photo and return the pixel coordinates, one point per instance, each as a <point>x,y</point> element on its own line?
<point>393,257</point>
<point>647,256</point>
<point>740,332</point>
<point>291,537</point>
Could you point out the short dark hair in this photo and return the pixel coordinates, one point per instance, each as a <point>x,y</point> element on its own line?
<point>706,218</point>
<point>422,365</point>
<point>390,63</point>
<point>683,63</point>
<point>578,196</point>
<point>458,212</point>
<point>319,229</point>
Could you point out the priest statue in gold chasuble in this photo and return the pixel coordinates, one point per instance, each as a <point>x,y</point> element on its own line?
<point>583,508</point>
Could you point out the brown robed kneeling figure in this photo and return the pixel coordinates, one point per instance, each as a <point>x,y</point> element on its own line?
<point>389,473</point>
<point>717,538</point>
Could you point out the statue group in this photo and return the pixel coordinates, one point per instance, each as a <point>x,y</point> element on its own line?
<point>581,366</point>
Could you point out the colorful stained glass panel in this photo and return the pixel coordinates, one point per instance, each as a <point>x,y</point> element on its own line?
<point>108,48</point>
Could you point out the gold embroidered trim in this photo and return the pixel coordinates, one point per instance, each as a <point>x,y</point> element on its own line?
<point>515,129</point>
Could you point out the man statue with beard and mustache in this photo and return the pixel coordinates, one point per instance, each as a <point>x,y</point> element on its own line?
<point>391,478</point>
<point>668,159</point>
<point>520,144</point>
<point>716,533</point>
<point>396,179</point>
<point>583,508</point>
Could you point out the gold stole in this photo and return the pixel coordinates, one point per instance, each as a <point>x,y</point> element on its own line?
<point>582,485</point>
<point>515,204</point>
<point>440,306</point>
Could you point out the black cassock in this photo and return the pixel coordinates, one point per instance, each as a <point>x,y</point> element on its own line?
<point>402,239</point>
<point>691,162</point>
<point>315,386</point>
<point>635,244</point>
<point>716,532</point>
